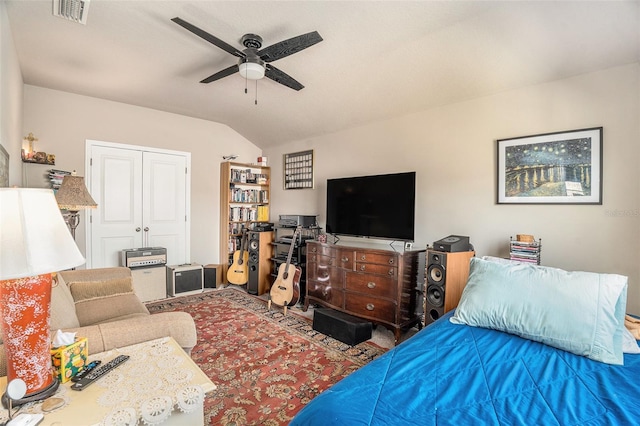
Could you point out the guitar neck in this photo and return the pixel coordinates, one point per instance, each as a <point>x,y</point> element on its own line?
<point>293,243</point>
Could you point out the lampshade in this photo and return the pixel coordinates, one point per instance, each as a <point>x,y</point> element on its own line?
<point>73,194</point>
<point>34,243</point>
<point>251,71</point>
<point>35,238</point>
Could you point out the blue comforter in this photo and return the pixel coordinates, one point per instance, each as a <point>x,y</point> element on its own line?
<point>451,374</point>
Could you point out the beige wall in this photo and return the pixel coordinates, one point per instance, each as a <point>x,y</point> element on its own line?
<point>453,150</point>
<point>64,121</point>
<point>10,100</point>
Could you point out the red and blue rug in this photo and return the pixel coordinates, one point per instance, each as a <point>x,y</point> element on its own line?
<point>266,365</point>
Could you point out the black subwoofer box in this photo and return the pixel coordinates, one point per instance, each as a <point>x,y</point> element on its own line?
<point>343,327</point>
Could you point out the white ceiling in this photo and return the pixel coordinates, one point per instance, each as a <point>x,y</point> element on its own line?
<point>378,59</point>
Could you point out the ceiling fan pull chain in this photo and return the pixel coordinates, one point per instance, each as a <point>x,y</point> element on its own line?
<point>256,101</point>
<point>245,85</point>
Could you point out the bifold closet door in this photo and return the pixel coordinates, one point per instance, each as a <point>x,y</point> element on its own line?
<point>163,204</point>
<point>141,200</point>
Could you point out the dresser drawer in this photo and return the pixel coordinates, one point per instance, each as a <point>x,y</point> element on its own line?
<point>378,258</point>
<point>384,270</point>
<point>344,258</point>
<point>325,274</point>
<point>324,291</point>
<point>381,309</point>
<point>319,259</point>
<point>374,285</point>
<point>313,248</point>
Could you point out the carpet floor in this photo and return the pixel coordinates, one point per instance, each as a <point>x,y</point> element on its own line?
<point>266,365</point>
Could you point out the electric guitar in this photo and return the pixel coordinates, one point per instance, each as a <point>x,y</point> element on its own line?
<point>238,272</point>
<point>285,290</point>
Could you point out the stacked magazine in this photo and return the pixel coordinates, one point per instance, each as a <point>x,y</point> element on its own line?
<point>525,251</point>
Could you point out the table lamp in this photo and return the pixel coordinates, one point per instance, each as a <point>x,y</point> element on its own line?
<point>73,196</point>
<point>34,243</point>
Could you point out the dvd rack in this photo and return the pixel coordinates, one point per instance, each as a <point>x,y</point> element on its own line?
<point>281,244</point>
<point>525,251</point>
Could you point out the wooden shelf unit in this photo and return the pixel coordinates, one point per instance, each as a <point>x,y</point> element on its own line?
<point>245,189</point>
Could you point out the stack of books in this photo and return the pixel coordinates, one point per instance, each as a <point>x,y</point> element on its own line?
<point>56,176</point>
<point>525,251</point>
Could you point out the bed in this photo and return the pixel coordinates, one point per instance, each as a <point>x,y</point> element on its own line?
<point>461,371</point>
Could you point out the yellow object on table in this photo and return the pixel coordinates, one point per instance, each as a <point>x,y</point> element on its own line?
<point>69,360</point>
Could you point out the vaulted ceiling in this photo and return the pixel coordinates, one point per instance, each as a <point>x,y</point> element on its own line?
<point>378,59</point>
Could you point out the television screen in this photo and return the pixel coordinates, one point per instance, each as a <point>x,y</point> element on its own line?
<point>380,206</point>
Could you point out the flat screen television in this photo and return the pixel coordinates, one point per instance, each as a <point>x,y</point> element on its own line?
<point>380,206</point>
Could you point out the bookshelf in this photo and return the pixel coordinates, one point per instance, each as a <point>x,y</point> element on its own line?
<point>244,201</point>
<point>525,250</point>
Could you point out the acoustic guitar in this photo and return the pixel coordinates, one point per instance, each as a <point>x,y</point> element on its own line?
<point>238,272</point>
<point>285,290</point>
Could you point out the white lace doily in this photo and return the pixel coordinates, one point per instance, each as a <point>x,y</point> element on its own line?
<point>149,386</point>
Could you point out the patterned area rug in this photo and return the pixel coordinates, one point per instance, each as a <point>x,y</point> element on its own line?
<point>266,365</point>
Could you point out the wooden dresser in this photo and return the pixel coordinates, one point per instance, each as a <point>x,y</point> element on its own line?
<point>377,284</point>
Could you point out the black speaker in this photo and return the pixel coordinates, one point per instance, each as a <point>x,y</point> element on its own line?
<point>446,276</point>
<point>343,327</point>
<point>212,275</point>
<point>259,263</point>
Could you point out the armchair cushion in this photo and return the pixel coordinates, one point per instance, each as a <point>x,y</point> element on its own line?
<point>63,309</point>
<point>125,332</point>
<point>89,290</point>
<point>103,295</point>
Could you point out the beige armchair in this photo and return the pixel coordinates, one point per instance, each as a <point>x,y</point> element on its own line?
<point>100,304</point>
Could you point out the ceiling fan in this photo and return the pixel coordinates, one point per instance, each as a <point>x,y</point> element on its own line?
<point>253,62</point>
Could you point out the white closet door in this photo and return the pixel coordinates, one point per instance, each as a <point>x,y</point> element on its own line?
<point>164,207</point>
<point>116,185</point>
<point>142,201</point>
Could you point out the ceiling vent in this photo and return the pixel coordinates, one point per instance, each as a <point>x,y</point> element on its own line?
<point>73,10</point>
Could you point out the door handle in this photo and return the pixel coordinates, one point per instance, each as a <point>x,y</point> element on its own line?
<point>138,229</point>
<point>146,229</point>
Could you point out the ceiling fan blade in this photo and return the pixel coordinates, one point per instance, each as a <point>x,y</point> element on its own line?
<point>210,38</point>
<point>280,77</point>
<point>221,74</point>
<point>289,47</point>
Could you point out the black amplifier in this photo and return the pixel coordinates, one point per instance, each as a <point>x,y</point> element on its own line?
<point>263,227</point>
<point>294,220</point>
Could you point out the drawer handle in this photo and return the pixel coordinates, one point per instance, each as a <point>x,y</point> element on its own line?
<point>390,272</point>
<point>391,261</point>
<point>370,306</point>
<point>345,259</point>
<point>362,267</point>
<point>371,284</point>
<point>363,257</point>
<point>314,250</point>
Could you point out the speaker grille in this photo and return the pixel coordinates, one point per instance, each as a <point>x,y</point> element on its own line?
<point>435,296</point>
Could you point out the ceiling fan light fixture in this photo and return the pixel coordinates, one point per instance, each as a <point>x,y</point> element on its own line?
<point>251,71</point>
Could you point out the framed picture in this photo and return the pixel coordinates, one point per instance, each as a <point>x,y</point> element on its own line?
<point>4,167</point>
<point>551,168</point>
<point>298,170</point>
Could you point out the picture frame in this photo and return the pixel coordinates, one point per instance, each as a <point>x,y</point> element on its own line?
<point>298,170</point>
<point>551,168</point>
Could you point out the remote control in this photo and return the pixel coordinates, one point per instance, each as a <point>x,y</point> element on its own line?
<point>87,368</point>
<point>98,372</point>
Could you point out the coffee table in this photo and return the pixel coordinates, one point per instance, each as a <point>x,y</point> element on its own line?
<point>160,383</point>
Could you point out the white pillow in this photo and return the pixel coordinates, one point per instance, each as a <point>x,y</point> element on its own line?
<point>580,312</point>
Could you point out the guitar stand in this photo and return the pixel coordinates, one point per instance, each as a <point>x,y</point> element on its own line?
<point>269,307</point>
